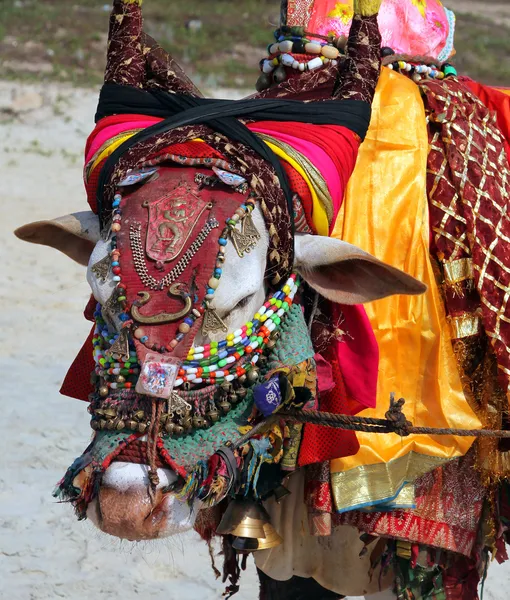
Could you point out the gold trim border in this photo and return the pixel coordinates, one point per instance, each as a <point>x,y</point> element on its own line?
<point>367,485</point>
<point>458,270</point>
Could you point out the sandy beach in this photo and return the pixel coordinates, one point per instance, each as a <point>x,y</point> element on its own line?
<point>45,553</point>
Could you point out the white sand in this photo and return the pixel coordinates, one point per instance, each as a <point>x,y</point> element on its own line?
<point>44,552</point>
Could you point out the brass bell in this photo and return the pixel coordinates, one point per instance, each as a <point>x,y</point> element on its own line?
<point>110,413</point>
<point>241,393</point>
<point>170,427</point>
<point>253,375</point>
<point>178,430</point>
<point>103,391</point>
<point>199,422</point>
<point>133,425</point>
<point>110,424</point>
<point>102,424</point>
<point>244,518</point>
<point>142,427</point>
<point>94,424</point>
<point>99,411</point>
<point>139,415</point>
<point>245,545</point>
<point>120,425</point>
<point>121,379</point>
<point>224,406</point>
<point>213,415</point>
<point>232,398</point>
<point>186,423</point>
<point>271,539</point>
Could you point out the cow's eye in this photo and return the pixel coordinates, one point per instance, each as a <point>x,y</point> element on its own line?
<point>243,302</point>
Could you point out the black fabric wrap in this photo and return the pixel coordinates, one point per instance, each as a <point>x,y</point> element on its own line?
<point>222,116</point>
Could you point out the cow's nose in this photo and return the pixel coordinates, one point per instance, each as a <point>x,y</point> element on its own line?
<point>125,509</point>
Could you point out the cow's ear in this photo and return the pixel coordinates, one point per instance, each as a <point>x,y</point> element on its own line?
<point>343,273</point>
<point>75,235</point>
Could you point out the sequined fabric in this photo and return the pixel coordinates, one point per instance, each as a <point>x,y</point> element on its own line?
<point>468,183</point>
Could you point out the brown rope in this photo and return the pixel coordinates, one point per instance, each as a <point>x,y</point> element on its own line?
<point>152,445</point>
<point>395,422</point>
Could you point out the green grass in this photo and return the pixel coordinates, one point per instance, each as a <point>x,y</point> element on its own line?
<point>65,40</point>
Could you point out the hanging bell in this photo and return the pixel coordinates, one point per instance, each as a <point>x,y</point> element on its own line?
<point>271,538</point>
<point>245,545</point>
<point>244,518</point>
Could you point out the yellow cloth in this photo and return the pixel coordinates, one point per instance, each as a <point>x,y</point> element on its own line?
<point>109,147</point>
<point>385,212</point>
<point>320,218</point>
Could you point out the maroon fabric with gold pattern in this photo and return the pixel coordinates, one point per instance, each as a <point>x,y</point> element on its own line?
<point>161,246</point>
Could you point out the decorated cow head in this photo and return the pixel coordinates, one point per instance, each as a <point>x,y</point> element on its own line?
<point>194,346</point>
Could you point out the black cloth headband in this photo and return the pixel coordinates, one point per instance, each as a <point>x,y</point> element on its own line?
<point>179,110</point>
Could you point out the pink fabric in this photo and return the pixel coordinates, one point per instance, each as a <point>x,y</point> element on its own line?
<point>325,380</point>
<point>110,132</point>
<point>358,355</point>
<point>318,157</point>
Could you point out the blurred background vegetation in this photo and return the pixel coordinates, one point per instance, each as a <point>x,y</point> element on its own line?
<point>218,42</point>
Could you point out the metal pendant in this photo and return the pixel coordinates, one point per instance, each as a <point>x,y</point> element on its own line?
<point>249,229</point>
<point>242,243</point>
<point>111,308</point>
<point>162,318</point>
<point>212,322</point>
<point>102,268</point>
<point>120,348</point>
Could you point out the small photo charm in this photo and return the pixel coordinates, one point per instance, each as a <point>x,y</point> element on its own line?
<point>158,375</point>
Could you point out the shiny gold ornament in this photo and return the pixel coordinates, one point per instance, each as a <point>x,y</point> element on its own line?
<point>110,413</point>
<point>142,427</point>
<point>244,518</point>
<point>121,379</point>
<point>103,391</point>
<point>271,539</point>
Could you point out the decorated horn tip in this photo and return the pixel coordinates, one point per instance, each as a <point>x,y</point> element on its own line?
<point>366,8</point>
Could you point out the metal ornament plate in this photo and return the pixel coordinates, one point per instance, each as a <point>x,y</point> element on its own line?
<point>102,268</point>
<point>249,229</point>
<point>120,348</point>
<point>212,322</point>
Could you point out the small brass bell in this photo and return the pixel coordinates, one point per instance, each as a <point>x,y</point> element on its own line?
<point>103,391</point>
<point>100,412</point>
<point>170,427</point>
<point>131,425</point>
<point>253,375</point>
<point>139,415</point>
<point>121,379</point>
<point>244,518</point>
<point>232,398</point>
<point>241,393</point>
<point>186,423</point>
<point>178,430</point>
<point>120,425</point>
<point>199,422</point>
<point>102,424</point>
<point>224,406</point>
<point>110,424</point>
<point>94,424</point>
<point>213,415</point>
<point>110,413</point>
<point>142,427</point>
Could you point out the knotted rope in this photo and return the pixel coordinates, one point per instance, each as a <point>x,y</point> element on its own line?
<point>395,422</point>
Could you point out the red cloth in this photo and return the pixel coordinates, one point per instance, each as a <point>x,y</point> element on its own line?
<point>495,101</point>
